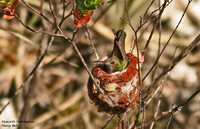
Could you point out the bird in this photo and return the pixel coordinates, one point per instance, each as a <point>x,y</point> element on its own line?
<point>117,60</point>
<point>115,78</point>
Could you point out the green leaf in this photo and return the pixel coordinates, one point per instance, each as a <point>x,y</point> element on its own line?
<point>7,3</point>
<point>87,5</point>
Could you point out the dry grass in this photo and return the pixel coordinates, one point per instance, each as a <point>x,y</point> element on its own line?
<point>54,94</point>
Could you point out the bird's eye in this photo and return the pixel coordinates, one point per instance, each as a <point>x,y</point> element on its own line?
<point>112,62</point>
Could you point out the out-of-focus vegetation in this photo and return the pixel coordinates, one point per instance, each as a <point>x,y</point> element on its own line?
<point>55,95</point>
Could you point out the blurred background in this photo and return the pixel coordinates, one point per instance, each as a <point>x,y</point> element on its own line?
<point>55,96</point>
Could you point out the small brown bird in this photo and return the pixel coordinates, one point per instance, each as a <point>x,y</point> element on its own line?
<point>117,61</point>
<point>116,76</point>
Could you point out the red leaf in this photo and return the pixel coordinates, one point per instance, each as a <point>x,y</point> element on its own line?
<point>9,14</point>
<point>9,9</point>
<point>81,19</point>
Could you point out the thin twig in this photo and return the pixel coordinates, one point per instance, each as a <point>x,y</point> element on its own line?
<point>183,54</point>
<point>34,10</point>
<point>36,31</point>
<point>156,61</point>
<point>108,121</point>
<point>91,43</point>
<point>34,69</point>
<point>175,109</point>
